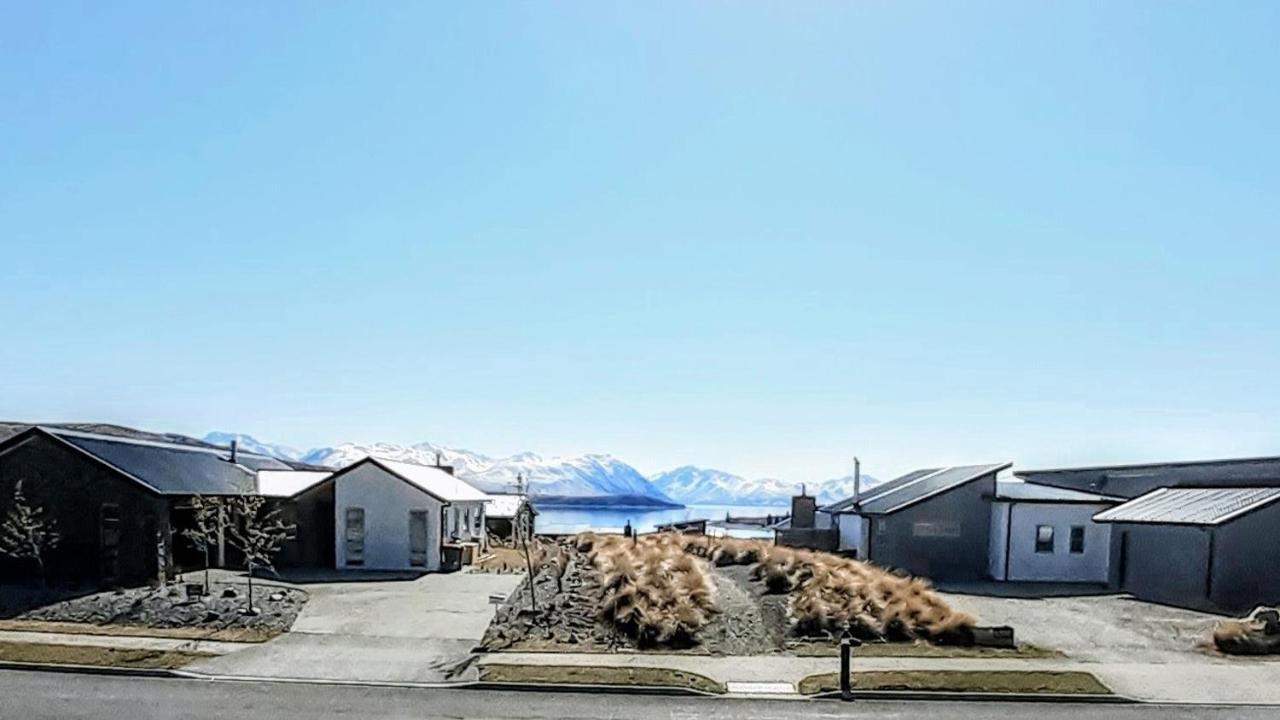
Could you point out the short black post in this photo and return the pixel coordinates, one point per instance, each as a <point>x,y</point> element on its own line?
<point>846,684</point>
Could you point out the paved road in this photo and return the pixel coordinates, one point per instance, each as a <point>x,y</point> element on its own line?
<point>57,696</point>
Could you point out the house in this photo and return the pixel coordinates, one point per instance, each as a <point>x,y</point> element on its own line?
<point>804,526</point>
<point>306,500</point>
<point>1041,533</point>
<point>500,511</point>
<point>1204,547</point>
<point>119,502</point>
<point>934,522</point>
<point>391,515</point>
<point>1130,481</point>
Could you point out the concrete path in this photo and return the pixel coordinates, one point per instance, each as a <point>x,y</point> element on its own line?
<point>406,630</point>
<point>1244,682</point>
<point>127,642</point>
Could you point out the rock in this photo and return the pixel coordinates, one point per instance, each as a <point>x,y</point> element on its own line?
<point>276,596</point>
<point>230,593</point>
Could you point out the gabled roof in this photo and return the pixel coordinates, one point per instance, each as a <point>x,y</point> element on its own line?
<point>1191,506</point>
<point>914,487</point>
<point>504,505</point>
<point>1131,481</point>
<point>433,480</point>
<point>165,468</point>
<point>1021,491</point>
<point>287,483</point>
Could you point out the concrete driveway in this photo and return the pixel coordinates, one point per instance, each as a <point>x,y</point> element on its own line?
<point>371,628</point>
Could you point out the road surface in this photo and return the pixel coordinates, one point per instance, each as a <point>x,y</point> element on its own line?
<point>65,696</point>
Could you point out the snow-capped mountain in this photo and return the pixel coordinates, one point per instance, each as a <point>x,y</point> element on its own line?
<point>587,480</point>
<point>704,486</point>
<point>576,479</point>
<point>248,443</point>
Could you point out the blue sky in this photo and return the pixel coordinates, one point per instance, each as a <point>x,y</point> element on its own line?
<point>759,237</point>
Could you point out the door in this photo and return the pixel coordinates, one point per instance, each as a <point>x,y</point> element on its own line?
<point>418,538</point>
<point>355,536</point>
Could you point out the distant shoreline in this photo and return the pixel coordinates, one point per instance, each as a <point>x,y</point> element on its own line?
<point>604,502</point>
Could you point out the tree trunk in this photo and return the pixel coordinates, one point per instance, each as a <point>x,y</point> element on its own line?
<point>250,587</point>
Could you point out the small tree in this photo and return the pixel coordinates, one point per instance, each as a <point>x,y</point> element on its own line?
<point>207,518</point>
<point>258,531</point>
<point>27,532</point>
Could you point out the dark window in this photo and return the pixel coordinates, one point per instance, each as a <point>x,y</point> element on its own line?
<point>1044,538</point>
<point>1077,539</point>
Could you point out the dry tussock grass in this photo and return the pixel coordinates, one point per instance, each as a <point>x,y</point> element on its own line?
<point>652,589</point>
<point>830,594</point>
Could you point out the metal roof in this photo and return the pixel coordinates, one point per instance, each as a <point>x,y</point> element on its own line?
<point>434,480</point>
<point>287,483</point>
<point>1191,506</point>
<point>503,505</point>
<point>1131,481</point>
<point>166,468</point>
<point>914,487</point>
<point>1021,491</point>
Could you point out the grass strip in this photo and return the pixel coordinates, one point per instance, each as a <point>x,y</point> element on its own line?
<point>97,656</point>
<point>598,675</point>
<point>250,635</point>
<point>923,649</point>
<point>985,681</point>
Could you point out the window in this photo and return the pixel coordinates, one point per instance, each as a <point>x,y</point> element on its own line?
<point>418,538</point>
<point>355,536</point>
<point>1077,539</point>
<point>109,541</point>
<point>936,529</point>
<point>1044,538</point>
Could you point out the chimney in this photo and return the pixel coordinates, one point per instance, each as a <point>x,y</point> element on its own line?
<point>235,450</point>
<point>857,480</point>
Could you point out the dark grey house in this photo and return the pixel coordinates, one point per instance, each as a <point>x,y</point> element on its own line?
<point>934,522</point>
<point>1211,548</point>
<point>119,502</point>
<point>1130,481</point>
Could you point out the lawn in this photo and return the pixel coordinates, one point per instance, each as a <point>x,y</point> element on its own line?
<point>594,675</point>
<point>922,649</point>
<point>240,634</point>
<point>98,656</point>
<point>982,681</point>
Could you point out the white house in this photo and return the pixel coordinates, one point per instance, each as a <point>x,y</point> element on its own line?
<point>398,516</point>
<point>1047,534</point>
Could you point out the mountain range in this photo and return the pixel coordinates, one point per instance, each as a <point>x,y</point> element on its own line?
<point>586,480</point>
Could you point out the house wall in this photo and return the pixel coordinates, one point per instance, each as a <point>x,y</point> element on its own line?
<point>944,537</point>
<point>1025,564</point>
<point>73,489</point>
<point>1164,563</point>
<point>1246,553</point>
<point>387,501</point>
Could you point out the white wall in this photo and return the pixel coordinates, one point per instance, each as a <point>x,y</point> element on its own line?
<point>387,501</point>
<point>1025,564</point>
<point>850,526</point>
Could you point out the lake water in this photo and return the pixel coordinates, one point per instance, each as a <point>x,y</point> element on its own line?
<point>565,521</point>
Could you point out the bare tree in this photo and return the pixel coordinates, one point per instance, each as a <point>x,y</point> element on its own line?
<point>27,532</point>
<point>207,516</point>
<point>258,531</point>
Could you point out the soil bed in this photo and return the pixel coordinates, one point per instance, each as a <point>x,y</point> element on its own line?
<point>221,612</point>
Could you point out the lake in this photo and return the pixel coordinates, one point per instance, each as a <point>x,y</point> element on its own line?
<point>565,521</point>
